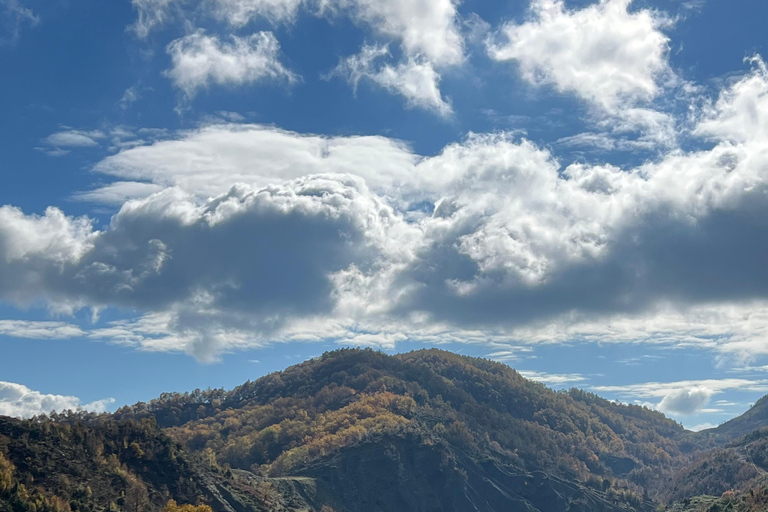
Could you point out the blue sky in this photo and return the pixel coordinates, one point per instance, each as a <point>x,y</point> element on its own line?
<point>198,193</point>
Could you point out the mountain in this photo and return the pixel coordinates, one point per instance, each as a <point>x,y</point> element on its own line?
<point>465,409</point>
<point>287,419</point>
<point>357,430</point>
<point>756,417</point>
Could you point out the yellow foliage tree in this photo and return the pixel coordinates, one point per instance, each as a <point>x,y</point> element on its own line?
<point>6,474</point>
<point>172,506</point>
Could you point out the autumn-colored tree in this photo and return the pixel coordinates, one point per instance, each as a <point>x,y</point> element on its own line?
<point>172,506</point>
<point>6,474</point>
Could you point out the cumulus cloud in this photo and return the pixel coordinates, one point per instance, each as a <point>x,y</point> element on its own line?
<point>604,53</point>
<point>685,401</point>
<point>21,402</point>
<point>424,27</point>
<point>430,39</point>
<point>270,254</point>
<point>53,236</point>
<point>740,114</point>
<point>199,61</point>
<point>612,57</point>
<point>359,238</point>
<point>631,235</point>
<point>417,82</point>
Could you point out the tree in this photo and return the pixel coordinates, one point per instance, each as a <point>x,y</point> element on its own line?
<point>136,497</point>
<point>172,506</point>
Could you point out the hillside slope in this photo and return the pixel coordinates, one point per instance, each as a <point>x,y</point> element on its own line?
<point>738,466</point>
<point>94,464</point>
<point>285,421</point>
<point>756,417</point>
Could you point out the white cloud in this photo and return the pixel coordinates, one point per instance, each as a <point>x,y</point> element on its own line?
<point>686,401</point>
<point>417,82</point>
<point>207,161</point>
<point>20,401</point>
<point>423,27</point>
<point>75,138</point>
<point>199,61</point>
<point>53,236</point>
<point>119,192</point>
<point>39,330</point>
<point>430,39</point>
<point>153,14</point>
<point>701,426</point>
<point>604,53</point>
<point>427,31</point>
<point>664,389</point>
<point>553,379</point>
<point>610,56</point>
<point>507,353</point>
<point>740,114</point>
<point>241,12</point>
<point>735,328</point>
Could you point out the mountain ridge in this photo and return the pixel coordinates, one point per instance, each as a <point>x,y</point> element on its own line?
<point>355,429</point>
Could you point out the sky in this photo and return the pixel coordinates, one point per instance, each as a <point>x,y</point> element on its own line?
<point>197,193</point>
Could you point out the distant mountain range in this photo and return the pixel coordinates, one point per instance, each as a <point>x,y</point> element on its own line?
<point>357,430</point>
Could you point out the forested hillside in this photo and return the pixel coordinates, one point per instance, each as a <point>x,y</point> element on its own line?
<point>286,420</point>
<point>355,430</point>
<point>66,464</point>
<point>755,418</point>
